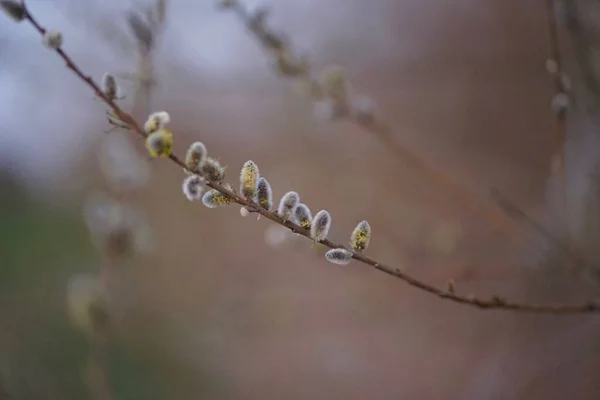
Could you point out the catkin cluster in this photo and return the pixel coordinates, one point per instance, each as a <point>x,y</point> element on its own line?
<point>200,168</point>
<point>159,140</point>
<point>359,241</point>
<point>257,190</point>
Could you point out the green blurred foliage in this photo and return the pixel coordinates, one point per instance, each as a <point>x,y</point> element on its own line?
<point>41,354</point>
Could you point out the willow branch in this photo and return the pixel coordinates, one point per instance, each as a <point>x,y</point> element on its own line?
<point>495,302</point>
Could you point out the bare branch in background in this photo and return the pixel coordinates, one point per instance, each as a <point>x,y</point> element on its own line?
<point>334,99</point>
<point>581,20</point>
<point>561,105</point>
<point>146,25</point>
<point>519,215</point>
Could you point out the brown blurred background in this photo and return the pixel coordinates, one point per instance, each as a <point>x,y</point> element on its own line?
<point>218,311</point>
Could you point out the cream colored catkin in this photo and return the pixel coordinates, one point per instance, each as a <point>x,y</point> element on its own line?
<point>339,256</point>
<point>264,194</point>
<point>193,187</point>
<point>320,225</point>
<point>302,216</point>
<point>195,156</point>
<point>287,205</point>
<point>212,170</point>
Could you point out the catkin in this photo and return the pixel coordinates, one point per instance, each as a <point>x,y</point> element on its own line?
<point>361,236</point>
<point>264,194</point>
<point>339,256</point>
<point>287,205</point>
<point>320,225</point>
<point>249,179</point>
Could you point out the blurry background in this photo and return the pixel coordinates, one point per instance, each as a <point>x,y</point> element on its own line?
<point>223,309</point>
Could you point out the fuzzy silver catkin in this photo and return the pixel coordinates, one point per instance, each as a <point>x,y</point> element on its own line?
<point>192,187</point>
<point>249,179</point>
<point>53,39</point>
<point>302,216</point>
<point>109,86</point>
<point>361,236</point>
<point>195,156</point>
<point>339,256</point>
<point>160,143</point>
<point>212,170</point>
<point>264,194</point>
<point>213,199</point>
<point>15,9</point>
<point>320,225</point>
<point>156,121</point>
<point>287,205</point>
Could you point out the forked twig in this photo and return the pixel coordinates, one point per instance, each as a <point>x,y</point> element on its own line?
<point>495,302</point>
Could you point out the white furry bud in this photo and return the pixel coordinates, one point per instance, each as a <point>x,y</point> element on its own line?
<point>192,187</point>
<point>53,39</point>
<point>287,205</point>
<point>109,86</point>
<point>264,194</point>
<point>156,121</point>
<point>339,256</point>
<point>15,9</point>
<point>302,216</point>
<point>195,156</point>
<point>320,226</point>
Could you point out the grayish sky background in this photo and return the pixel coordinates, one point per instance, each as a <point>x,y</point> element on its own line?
<point>45,106</point>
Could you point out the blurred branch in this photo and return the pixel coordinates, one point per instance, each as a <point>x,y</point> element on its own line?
<point>519,215</point>
<point>146,26</point>
<point>495,302</point>
<point>559,156</point>
<point>582,45</point>
<point>97,368</point>
<point>295,67</point>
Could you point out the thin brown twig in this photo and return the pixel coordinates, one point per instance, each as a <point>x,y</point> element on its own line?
<point>495,216</point>
<point>495,302</point>
<point>147,34</point>
<point>515,212</point>
<point>558,163</point>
